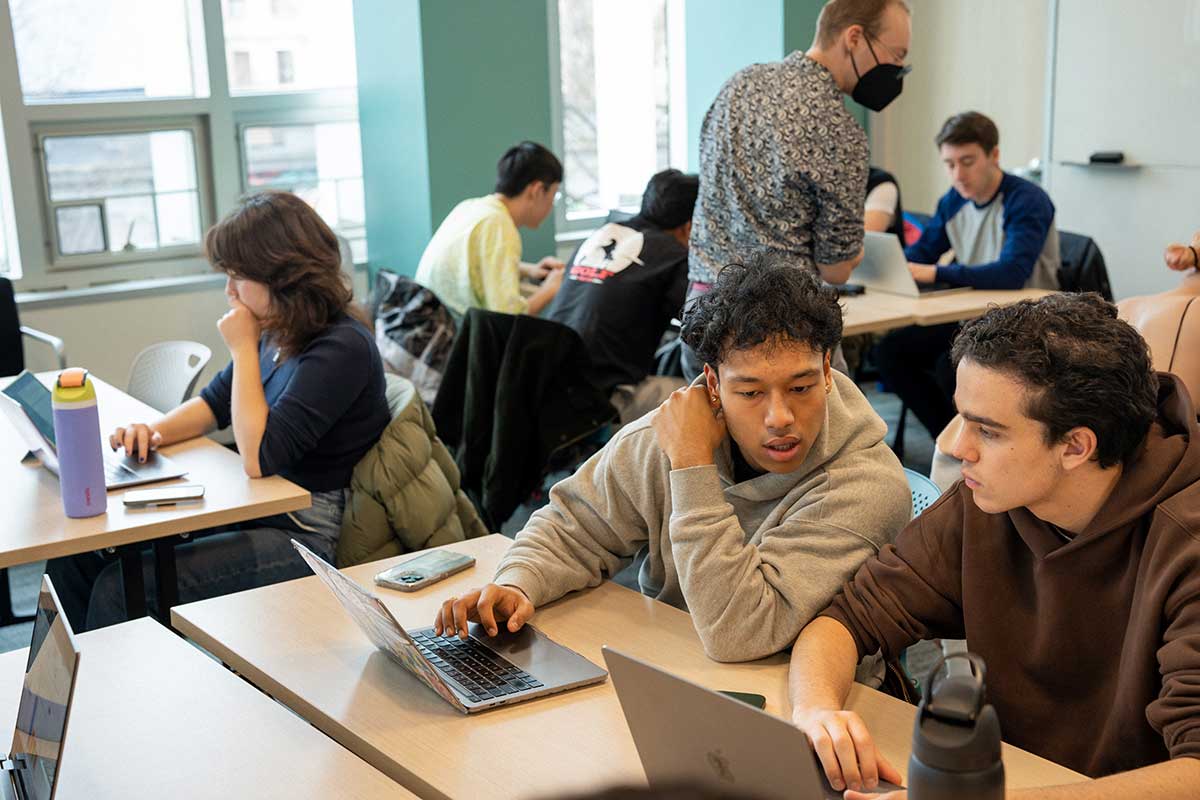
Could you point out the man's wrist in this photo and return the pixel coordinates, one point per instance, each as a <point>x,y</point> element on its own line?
<point>689,460</point>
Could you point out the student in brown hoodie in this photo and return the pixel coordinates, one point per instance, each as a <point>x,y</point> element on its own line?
<point>1068,557</point>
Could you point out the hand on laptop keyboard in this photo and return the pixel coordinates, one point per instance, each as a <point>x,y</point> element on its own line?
<point>137,438</point>
<point>488,605</point>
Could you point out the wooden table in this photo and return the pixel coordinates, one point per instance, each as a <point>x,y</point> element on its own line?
<point>295,642</point>
<point>878,312</point>
<point>36,527</point>
<point>153,717</point>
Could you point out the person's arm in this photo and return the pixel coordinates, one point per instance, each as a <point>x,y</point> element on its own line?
<point>329,377</point>
<point>822,669</point>
<point>744,598</point>
<point>193,418</point>
<point>535,272</point>
<point>910,592</point>
<point>1028,219</point>
<point>880,209</point>
<point>496,255</point>
<point>248,404</point>
<point>934,241</point>
<point>545,293</point>
<point>593,521</point>
<point>837,230</point>
<point>1181,257</point>
<point>839,272</point>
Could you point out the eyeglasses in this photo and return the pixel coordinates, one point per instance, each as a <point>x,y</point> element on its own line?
<point>904,68</point>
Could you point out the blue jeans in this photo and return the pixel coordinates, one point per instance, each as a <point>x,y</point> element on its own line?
<point>213,563</point>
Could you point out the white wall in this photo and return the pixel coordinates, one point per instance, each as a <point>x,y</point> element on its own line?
<point>981,55</point>
<point>105,335</point>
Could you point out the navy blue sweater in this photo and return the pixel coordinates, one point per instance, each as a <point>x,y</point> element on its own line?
<point>327,406</point>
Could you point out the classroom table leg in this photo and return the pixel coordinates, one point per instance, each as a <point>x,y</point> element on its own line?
<point>166,579</point>
<point>135,581</point>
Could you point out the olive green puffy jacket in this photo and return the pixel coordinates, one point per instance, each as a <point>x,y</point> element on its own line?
<point>404,493</point>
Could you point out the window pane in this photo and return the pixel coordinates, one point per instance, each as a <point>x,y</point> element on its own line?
<point>615,123</point>
<point>131,224</point>
<point>109,49</point>
<point>178,219</point>
<point>79,230</point>
<point>277,45</point>
<point>321,163</point>
<point>145,182</point>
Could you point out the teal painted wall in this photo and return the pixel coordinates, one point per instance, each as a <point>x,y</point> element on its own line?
<point>444,89</point>
<point>391,115</point>
<point>722,37</point>
<point>487,87</point>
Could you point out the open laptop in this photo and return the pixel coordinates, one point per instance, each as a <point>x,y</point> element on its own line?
<point>686,734</point>
<point>27,404</point>
<point>480,673</point>
<point>885,269</point>
<point>30,770</point>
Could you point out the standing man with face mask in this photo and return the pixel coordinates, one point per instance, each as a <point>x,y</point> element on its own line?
<point>783,164</point>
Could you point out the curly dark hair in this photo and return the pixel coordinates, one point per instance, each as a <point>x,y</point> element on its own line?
<point>764,300</point>
<point>1084,367</point>
<point>277,239</point>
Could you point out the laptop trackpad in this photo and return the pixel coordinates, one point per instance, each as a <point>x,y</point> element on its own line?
<point>533,651</point>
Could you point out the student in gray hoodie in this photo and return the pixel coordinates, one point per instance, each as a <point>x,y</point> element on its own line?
<point>754,493</point>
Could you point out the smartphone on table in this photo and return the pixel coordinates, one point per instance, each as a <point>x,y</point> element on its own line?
<point>165,496</point>
<point>425,569</point>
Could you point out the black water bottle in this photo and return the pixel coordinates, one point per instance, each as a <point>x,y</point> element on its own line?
<point>956,738</point>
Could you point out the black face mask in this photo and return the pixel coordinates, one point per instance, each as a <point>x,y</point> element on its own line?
<point>880,85</point>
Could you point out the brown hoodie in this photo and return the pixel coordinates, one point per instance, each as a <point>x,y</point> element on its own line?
<point>1092,645</point>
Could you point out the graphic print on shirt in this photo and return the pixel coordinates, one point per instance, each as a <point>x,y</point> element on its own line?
<point>606,252</point>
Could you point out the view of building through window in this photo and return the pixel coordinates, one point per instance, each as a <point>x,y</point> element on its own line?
<point>615,121</point>
<point>295,45</point>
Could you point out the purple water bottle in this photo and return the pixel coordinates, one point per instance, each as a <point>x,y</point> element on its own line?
<point>77,439</point>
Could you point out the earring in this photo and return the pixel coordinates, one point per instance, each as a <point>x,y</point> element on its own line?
<point>828,388</point>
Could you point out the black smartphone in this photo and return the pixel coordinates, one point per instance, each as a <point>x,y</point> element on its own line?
<point>419,572</point>
<point>756,700</point>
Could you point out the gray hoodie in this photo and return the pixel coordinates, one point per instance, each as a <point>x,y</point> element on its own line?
<point>753,561</point>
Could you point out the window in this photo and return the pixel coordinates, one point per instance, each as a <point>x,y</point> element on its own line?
<point>123,154</point>
<point>615,111</point>
<point>123,192</point>
<point>242,75</point>
<point>310,41</point>
<point>89,50</point>
<point>321,162</point>
<point>287,70</point>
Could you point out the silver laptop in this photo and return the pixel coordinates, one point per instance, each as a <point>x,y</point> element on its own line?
<point>30,770</point>
<point>27,404</point>
<point>480,673</point>
<point>885,269</point>
<point>686,734</point>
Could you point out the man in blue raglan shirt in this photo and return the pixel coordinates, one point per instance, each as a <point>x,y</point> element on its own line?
<point>1001,229</point>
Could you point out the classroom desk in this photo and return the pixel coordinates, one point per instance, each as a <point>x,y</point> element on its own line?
<point>153,717</point>
<point>296,643</point>
<point>879,312</point>
<point>37,529</point>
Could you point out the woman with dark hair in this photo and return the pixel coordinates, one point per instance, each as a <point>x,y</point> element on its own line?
<point>304,393</point>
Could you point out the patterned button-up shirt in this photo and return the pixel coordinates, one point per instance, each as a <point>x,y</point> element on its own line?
<point>783,168</point>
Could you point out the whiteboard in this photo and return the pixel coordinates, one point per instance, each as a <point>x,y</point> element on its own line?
<point>1127,77</point>
<point>1133,215</point>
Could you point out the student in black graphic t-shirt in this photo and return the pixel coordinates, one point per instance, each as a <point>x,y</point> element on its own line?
<point>625,283</point>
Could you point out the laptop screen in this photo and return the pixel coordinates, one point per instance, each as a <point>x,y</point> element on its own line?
<point>34,398</point>
<point>45,698</point>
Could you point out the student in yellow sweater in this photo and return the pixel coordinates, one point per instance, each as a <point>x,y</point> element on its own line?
<point>474,258</point>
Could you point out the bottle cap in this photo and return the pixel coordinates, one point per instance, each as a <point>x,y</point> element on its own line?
<point>72,378</point>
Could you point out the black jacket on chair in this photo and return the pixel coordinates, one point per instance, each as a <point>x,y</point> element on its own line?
<point>516,389</point>
<point>1083,268</point>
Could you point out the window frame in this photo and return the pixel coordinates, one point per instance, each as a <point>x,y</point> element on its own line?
<point>214,120</point>
<point>577,227</point>
<point>57,261</point>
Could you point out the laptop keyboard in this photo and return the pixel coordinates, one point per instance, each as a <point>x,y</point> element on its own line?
<point>483,673</point>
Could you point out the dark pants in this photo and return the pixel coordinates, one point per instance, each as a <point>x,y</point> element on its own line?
<point>914,363</point>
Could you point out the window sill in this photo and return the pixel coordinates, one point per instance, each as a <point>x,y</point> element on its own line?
<point>59,298</point>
